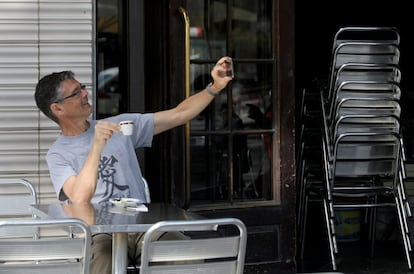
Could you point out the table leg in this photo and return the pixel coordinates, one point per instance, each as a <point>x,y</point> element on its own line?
<point>119,253</point>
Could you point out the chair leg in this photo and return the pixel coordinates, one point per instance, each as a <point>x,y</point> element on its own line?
<point>373,229</point>
<point>301,183</point>
<point>401,206</point>
<point>302,228</point>
<point>331,235</point>
<point>405,237</point>
<point>402,190</point>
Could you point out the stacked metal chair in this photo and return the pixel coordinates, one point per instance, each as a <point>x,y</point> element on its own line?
<point>362,148</point>
<point>308,159</point>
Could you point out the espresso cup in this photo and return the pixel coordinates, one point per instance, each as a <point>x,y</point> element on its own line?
<point>127,127</point>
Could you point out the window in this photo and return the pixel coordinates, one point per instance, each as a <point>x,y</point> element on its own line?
<point>108,59</point>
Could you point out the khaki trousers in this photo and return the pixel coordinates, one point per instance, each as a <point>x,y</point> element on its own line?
<point>101,255</point>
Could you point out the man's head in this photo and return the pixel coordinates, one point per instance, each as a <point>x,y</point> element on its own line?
<point>49,90</point>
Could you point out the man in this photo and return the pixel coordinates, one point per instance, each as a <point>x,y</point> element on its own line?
<point>91,160</point>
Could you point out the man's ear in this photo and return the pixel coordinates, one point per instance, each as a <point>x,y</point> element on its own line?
<point>56,109</point>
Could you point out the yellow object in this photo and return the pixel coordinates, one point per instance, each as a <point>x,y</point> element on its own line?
<point>348,224</point>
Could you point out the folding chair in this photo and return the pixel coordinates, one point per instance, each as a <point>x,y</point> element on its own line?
<point>213,246</point>
<point>51,250</point>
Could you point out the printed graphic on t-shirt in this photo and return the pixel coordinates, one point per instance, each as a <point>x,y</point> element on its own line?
<point>106,172</point>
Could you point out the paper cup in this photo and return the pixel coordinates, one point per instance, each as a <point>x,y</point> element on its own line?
<point>127,127</point>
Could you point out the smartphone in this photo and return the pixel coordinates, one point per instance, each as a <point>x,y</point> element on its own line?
<point>231,71</point>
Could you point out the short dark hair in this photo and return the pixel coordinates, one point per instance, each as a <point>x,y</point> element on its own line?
<point>48,90</point>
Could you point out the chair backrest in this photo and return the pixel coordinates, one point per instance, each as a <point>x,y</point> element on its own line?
<point>358,52</point>
<point>367,89</point>
<point>376,34</point>
<point>52,252</point>
<point>213,246</point>
<point>359,124</point>
<point>363,72</point>
<point>375,153</point>
<point>368,106</point>
<point>374,94</point>
<point>16,195</point>
<point>147,190</point>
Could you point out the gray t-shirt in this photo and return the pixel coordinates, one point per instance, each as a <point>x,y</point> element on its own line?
<point>119,174</point>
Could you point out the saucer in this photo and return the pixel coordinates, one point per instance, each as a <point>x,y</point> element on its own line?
<point>125,202</point>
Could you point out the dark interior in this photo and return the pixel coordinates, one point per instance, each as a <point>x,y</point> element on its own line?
<point>316,25</point>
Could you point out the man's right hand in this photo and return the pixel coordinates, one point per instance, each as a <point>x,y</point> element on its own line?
<point>104,131</point>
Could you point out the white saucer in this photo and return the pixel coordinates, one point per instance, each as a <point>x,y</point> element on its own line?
<point>125,202</point>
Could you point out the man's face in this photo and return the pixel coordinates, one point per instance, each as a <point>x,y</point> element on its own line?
<point>74,99</point>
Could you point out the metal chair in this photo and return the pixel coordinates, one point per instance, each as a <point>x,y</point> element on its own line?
<point>147,191</point>
<point>363,53</point>
<point>362,148</point>
<point>367,178</point>
<point>213,246</point>
<point>51,250</point>
<point>132,267</point>
<point>377,34</point>
<point>362,91</point>
<point>362,164</point>
<point>369,45</point>
<point>16,196</point>
<point>363,73</point>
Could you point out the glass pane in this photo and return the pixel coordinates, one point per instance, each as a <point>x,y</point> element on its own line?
<point>251,168</point>
<point>210,160</point>
<point>251,29</point>
<point>208,169</point>
<point>257,178</point>
<point>251,95</point>
<point>210,118</point>
<point>250,34</point>
<point>251,98</point>
<point>207,29</point>
<point>108,57</point>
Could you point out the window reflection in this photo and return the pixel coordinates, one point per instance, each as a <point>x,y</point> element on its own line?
<point>247,35</point>
<point>251,29</point>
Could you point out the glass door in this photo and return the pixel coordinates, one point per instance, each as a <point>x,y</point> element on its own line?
<point>232,140</point>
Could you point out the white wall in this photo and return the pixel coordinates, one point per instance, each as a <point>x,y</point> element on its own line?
<point>38,37</point>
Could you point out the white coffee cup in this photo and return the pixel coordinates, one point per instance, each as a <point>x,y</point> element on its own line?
<point>127,127</point>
